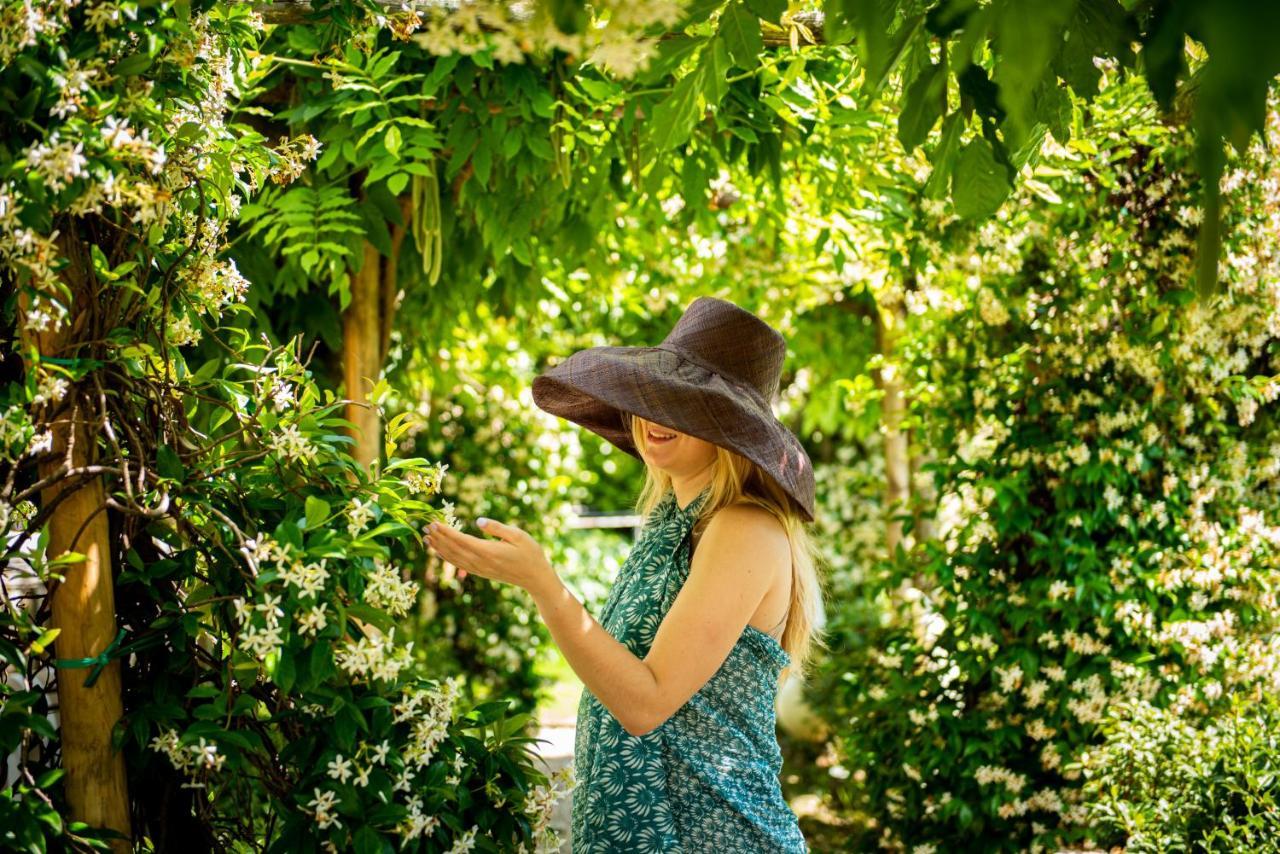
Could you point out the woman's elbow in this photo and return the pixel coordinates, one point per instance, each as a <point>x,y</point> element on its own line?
<point>639,724</point>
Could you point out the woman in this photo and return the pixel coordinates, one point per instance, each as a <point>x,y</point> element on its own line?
<point>676,744</point>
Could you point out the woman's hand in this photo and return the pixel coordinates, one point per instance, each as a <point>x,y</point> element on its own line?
<point>514,558</point>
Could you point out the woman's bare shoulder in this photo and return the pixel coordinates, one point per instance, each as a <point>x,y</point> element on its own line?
<point>748,523</point>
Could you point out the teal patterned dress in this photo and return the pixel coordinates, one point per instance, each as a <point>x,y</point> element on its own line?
<point>707,779</point>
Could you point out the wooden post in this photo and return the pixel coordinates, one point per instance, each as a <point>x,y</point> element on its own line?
<point>893,407</point>
<point>84,608</point>
<point>366,335</point>
<point>361,362</point>
<point>84,604</point>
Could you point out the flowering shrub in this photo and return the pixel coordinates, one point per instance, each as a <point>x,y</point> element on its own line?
<point>507,460</point>
<point>271,698</point>
<point>281,690</point>
<point>1174,780</point>
<point>1106,526</point>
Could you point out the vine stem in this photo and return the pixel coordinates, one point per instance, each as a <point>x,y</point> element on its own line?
<point>286,60</point>
<point>663,90</point>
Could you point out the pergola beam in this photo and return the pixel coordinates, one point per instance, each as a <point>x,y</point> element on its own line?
<point>297,12</point>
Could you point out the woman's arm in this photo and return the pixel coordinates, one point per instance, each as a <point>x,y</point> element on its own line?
<point>740,555</point>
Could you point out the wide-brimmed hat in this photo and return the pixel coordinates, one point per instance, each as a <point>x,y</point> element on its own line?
<point>715,376</point>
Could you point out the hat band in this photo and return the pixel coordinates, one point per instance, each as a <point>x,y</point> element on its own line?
<point>746,388</point>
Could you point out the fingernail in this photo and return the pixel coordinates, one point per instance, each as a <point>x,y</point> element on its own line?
<point>481,522</point>
<point>433,526</point>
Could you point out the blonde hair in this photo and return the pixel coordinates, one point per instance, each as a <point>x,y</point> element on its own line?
<point>738,480</point>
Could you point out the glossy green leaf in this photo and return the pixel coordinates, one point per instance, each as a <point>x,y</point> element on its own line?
<point>979,184</point>
<point>740,29</point>
<point>923,106</point>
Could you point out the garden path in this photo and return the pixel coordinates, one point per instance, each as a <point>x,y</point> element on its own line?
<point>558,729</point>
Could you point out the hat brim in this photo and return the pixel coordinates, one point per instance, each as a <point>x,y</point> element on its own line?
<point>593,387</point>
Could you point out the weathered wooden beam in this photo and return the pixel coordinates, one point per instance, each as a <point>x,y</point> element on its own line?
<point>297,11</point>
<point>809,32</point>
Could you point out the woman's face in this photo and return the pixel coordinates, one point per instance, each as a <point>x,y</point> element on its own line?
<point>677,454</point>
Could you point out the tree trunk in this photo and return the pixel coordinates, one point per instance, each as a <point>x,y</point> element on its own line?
<point>893,408</point>
<point>83,605</point>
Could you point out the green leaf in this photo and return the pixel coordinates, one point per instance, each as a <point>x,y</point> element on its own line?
<point>130,65</point>
<point>48,778</point>
<point>1051,104</point>
<point>169,464</point>
<point>713,65</point>
<point>922,107</point>
<point>769,10</point>
<point>1027,35</point>
<point>392,140</point>
<point>1104,28</point>
<point>369,841</point>
<point>345,723</point>
<point>676,115</point>
<point>317,511</point>
<point>668,56</point>
<point>944,156</point>
<point>439,73</point>
<point>740,29</point>
<point>980,183</point>
<point>481,162</point>
<point>285,673</point>
<point>1029,151</point>
<point>375,617</point>
<point>42,642</point>
<point>868,22</point>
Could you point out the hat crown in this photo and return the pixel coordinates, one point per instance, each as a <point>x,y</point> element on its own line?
<point>732,342</point>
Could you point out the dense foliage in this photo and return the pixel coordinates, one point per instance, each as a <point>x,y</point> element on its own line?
<point>1105,528</point>
<point>1167,781</point>
<point>271,699</point>
<point>160,255</point>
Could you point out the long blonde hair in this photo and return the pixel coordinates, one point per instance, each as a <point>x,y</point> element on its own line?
<point>738,480</point>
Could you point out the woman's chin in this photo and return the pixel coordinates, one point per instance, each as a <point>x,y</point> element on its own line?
<point>657,460</point>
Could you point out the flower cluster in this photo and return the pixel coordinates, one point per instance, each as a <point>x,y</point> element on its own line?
<point>429,713</point>
<point>540,804</point>
<point>427,482</point>
<point>385,589</point>
<point>290,443</point>
<point>194,760</point>
<point>377,657</point>
<point>295,156</point>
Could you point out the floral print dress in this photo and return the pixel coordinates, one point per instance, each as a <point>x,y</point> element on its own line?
<point>707,779</point>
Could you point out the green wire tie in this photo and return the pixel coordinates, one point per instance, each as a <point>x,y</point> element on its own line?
<point>71,362</point>
<point>97,662</point>
<point>113,650</point>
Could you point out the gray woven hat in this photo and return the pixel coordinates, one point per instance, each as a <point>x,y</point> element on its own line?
<point>715,376</point>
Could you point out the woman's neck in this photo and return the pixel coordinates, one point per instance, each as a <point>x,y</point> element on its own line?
<point>689,488</point>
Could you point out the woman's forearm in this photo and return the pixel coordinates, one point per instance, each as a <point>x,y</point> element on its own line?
<point>621,681</point>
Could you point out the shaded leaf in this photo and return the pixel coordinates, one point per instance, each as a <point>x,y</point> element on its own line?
<point>980,184</point>
<point>740,29</point>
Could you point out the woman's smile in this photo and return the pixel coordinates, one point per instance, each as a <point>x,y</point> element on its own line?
<point>658,437</point>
